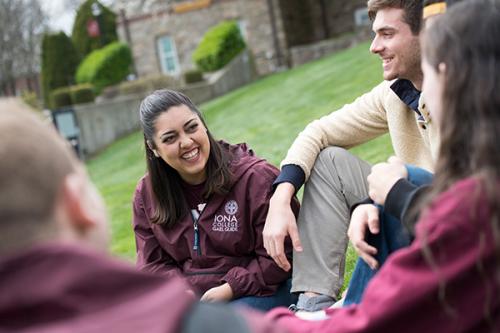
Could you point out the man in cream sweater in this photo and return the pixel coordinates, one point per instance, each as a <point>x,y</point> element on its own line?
<point>335,178</point>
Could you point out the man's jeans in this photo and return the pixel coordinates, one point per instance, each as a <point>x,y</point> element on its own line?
<point>391,237</point>
<point>282,297</point>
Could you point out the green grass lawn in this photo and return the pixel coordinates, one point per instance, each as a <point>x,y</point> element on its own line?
<point>267,114</point>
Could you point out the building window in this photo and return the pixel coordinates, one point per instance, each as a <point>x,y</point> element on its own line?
<point>242,26</point>
<point>168,56</point>
<point>361,17</point>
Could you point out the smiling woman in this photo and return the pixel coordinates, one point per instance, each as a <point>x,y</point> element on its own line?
<point>181,140</point>
<point>200,210</point>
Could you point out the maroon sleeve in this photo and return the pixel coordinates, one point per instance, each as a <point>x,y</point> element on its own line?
<point>150,255</point>
<point>261,277</point>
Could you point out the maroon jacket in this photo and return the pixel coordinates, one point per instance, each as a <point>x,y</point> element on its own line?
<point>55,288</point>
<point>60,288</point>
<point>457,290</point>
<point>230,234</point>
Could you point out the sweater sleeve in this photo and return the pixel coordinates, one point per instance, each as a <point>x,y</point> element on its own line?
<point>150,256</point>
<point>292,174</point>
<point>261,277</point>
<point>350,126</point>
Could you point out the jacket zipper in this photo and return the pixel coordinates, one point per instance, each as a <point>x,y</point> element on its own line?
<point>196,244</point>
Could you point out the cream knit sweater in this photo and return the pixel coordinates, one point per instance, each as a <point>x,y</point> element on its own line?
<point>371,115</point>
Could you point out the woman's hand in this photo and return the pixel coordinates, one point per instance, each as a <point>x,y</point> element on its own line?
<point>221,293</point>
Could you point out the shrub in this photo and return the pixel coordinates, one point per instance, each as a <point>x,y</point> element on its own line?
<point>148,84</point>
<point>162,81</point>
<point>59,62</point>
<point>138,86</point>
<point>193,76</point>
<point>107,27</point>
<point>219,46</point>
<point>82,93</point>
<point>106,66</point>
<point>110,92</point>
<point>60,97</point>
<point>31,99</point>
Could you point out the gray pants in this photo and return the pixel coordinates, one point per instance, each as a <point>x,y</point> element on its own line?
<point>338,180</point>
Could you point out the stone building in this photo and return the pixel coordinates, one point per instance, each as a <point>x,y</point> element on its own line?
<point>163,34</point>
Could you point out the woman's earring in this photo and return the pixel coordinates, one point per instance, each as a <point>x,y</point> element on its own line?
<point>155,153</point>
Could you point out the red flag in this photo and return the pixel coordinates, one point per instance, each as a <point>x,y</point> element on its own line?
<point>93,28</point>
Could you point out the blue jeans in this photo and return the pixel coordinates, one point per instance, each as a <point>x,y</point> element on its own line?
<point>391,237</point>
<point>282,297</point>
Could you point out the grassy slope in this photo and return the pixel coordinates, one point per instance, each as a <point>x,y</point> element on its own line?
<point>267,114</point>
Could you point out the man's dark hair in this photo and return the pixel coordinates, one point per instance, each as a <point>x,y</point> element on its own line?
<point>412,11</point>
<point>448,2</point>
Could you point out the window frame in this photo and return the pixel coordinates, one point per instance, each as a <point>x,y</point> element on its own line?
<point>162,55</point>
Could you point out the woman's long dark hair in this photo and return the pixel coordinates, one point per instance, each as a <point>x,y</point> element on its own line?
<point>164,180</point>
<point>466,39</point>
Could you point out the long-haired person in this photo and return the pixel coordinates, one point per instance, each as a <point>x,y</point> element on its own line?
<point>448,279</point>
<point>200,209</point>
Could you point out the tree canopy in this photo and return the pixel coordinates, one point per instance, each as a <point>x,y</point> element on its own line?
<point>59,62</point>
<point>22,24</point>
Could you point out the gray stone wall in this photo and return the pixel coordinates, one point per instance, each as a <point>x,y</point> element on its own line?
<point>101,124</point>
<point>187,29</point>
<point>340,15</point>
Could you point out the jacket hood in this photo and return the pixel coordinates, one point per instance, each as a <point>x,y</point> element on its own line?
<point>242,158</point>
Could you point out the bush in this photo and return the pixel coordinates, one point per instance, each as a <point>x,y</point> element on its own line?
<point>82,93</point>
<point>162,82</point>
<point>218,47</point>
<point>31,99</point>
<point>193,76</point>
<point>110,92</point>
<point>60,97</point>
<point>59,62</point>
<point>148,84</point>
<point>106,66</point>
<point>107,27</point>
<point>78,94</point>
<point>138,86</point>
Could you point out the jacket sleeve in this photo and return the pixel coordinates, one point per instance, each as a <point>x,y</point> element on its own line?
<point>261,277</point>
<point>401,198</point>
<point>150,255</point>
<point>350,126</point>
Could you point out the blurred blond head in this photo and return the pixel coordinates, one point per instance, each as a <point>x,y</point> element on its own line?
<point>45,193</point>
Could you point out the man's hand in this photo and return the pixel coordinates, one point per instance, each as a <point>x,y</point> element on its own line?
<point>383,177</point>
<point>222,293</point>
<point>364,217</point>
<point>280,222</point>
